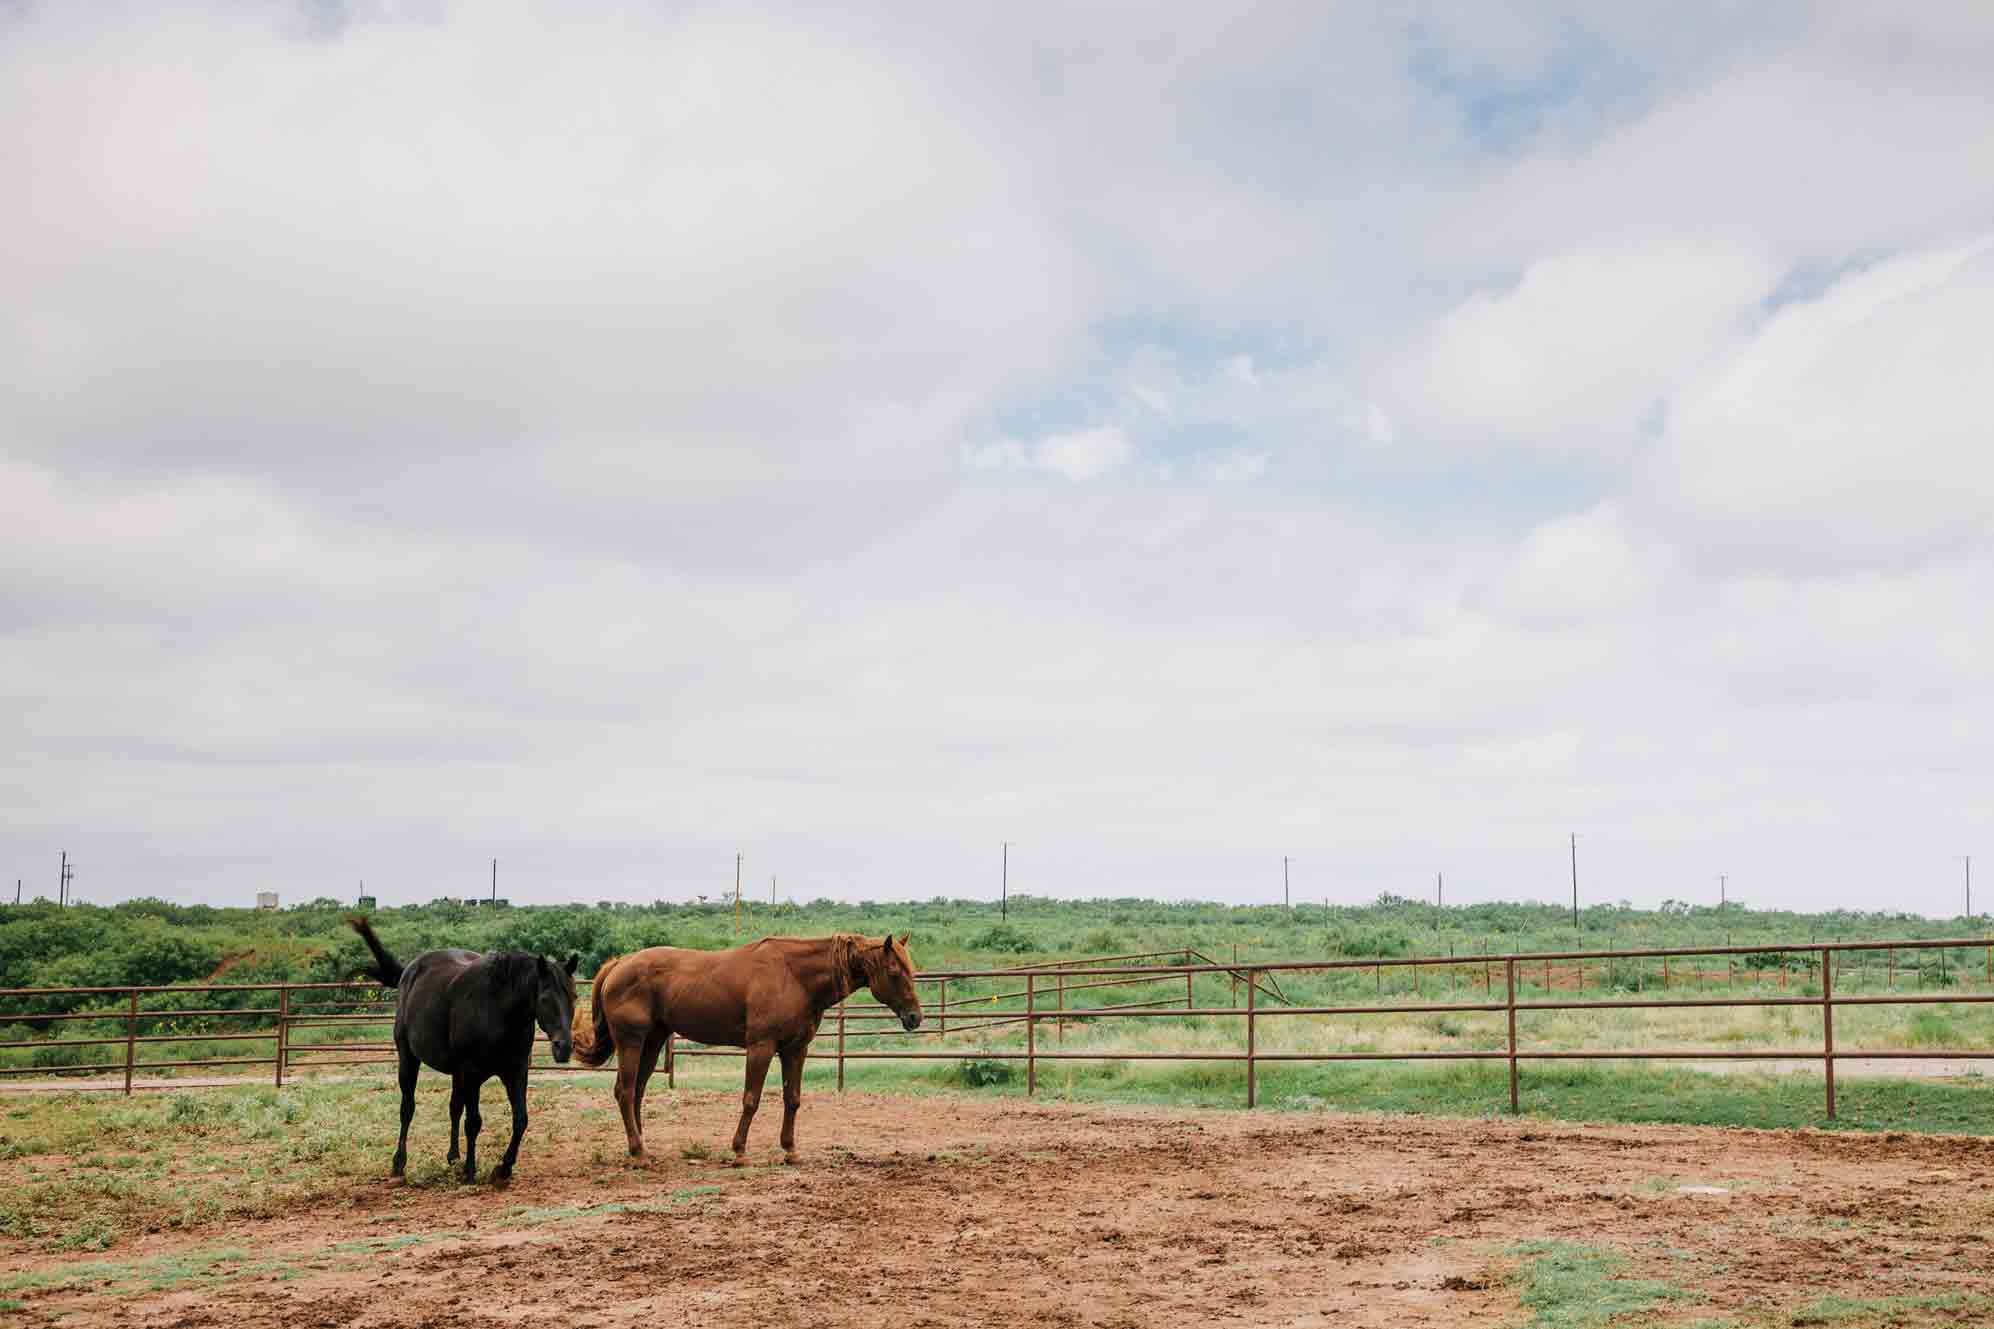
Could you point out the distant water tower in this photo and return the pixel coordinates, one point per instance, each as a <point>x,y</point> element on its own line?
<point>266,899</point>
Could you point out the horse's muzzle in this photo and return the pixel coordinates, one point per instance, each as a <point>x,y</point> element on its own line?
<point>910,1020</point>
<point>562,1051</point>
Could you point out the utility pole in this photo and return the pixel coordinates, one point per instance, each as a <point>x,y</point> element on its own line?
<point>1439,890</point>
<point>771,894</point>
<point>1969,885</point>
<point>1284,883</point>
<point>737,894</point>
<point>1575,879</point>
<point>1722,883</point>
<point>495,883</point>
<point>62,886</point>
<point>1004,898</point>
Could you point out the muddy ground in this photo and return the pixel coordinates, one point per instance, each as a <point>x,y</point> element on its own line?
<point>957,1211</point>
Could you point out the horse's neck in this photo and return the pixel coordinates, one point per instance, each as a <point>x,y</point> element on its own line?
<point>839,976</point>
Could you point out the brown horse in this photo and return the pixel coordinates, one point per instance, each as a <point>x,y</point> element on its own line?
<point>767,997</point>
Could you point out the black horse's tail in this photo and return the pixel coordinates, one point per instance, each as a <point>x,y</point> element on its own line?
<point>387,969</point>
<point>594,1048</point>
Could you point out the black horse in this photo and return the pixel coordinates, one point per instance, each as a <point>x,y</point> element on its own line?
<point>471,1016</point>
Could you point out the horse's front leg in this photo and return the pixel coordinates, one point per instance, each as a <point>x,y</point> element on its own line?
<point>456,1116</point>
<point>515,1091</point>
<point>751,1095</point>
<point>792,1096</point>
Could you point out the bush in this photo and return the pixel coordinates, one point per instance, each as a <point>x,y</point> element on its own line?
<point>1002,937</point>
<point>977,1072</point>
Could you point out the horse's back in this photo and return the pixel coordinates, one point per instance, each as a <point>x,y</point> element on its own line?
<point>423,1004</point>
<point>701,995</point>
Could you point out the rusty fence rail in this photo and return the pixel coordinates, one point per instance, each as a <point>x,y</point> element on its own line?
<point>1046,988</point>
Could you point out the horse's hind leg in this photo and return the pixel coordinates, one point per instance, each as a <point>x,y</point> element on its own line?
<point>653,1044</point>
<point>751,1094</point>
<point>408,1070</point>
<point>456,1114</point>
<point>467,1088</point>
<point>515,1092</point>
<point>792,1097</point>
<point>629,1093</point>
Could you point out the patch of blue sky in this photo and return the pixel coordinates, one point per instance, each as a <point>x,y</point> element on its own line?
<point>1810,280</point>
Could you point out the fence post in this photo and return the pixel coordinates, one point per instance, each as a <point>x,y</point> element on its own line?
<point>1890,958</point>
<point>1189,1000</point>
<point>1509,972</point>
<point>1828,1024</point>
<point>841,1047</point>
<point>131,1041</point>
<point>943,1013</point>
<point>1252,1086</point>
<point>283,1030</point>
<point>1031,1036</point>
<point>671,1070</point>
<point>1059,1024</point>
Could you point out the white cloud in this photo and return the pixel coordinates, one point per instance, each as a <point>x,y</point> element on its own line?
<point>1569,358</point>
<point>1079,456</point>
<point>1850,431</point>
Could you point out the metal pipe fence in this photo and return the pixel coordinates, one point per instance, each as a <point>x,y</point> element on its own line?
<point>324,1008</point>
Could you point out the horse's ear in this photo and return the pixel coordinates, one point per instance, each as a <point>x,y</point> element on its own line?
<point>573,962</point>
<point>903,938</point>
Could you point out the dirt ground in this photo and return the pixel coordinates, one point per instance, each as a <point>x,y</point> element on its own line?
<point>957,1211</point>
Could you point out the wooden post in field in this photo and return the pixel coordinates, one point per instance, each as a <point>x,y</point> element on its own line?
<point>1828,1024</point>
<point>1509,973</point>
<point>283,1030</point>
<point>1890,957</point>
<point>942,1014</point>
<point>1031,1037</point>
<point>131,1041</point>
<point>841,1047</point>
<point>1059,1024</point>
<point>1189,1002</point>
<point>671,1062</point>
<point>1251,1085</point>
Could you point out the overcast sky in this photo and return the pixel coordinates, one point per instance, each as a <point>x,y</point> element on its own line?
<point>613,438</point>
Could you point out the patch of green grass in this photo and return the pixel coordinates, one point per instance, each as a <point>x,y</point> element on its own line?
<point>167,1271</point>
<point>1566,1091</point>
<point>1932,1028</point>
<point>1566,1286</point>
<point>1949,1308</point>
<point>522,1216</point>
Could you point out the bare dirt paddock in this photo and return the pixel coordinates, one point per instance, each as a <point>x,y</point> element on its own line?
<point>945,1211</point>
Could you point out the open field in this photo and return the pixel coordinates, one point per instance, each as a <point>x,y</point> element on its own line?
<point>253,1208</point>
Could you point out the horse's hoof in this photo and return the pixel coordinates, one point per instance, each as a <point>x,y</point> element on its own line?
<point>470,1175</point>
<point>501,1173</point>
<point>790,1159</point>
<point>738,1160</point>
<point>452,1156</point>
<point>636,1151</point>
<point>396,1168</point>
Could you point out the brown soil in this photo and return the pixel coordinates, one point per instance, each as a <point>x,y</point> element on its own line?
<point>959,1211</point>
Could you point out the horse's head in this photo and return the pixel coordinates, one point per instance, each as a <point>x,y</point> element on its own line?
<point>889,972</point>
<point>554,1007</point>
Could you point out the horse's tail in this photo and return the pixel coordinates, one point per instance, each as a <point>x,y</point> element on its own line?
<point>592,1048</point>
<point>387,969</point>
